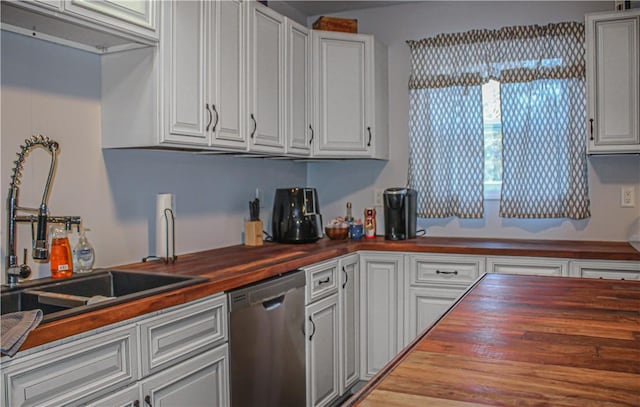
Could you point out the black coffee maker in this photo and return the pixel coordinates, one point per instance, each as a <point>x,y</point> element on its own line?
<point>400,213</point>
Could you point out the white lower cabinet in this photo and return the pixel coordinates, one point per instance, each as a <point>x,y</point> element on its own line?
<point>323,342</point>
<point>433,283</point>
<point>182,353</point>
<point>332,328</point>
<point>349,305</point>
<point>74,372</point>
<point>127,397</point>
<point>322,330</point>
<point>200,381</point>
<point>381,316</point>
<point>613,269</point>
<point>533,266</point>
<point>425,306</point>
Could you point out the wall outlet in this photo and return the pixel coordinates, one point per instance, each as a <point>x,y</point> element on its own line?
<point>628,197</point>
<point>377,196</point>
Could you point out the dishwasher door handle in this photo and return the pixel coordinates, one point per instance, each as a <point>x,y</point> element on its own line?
<point>273,303</point>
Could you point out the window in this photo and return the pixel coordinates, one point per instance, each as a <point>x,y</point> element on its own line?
<point>492,124</point>
<point>499,114</point>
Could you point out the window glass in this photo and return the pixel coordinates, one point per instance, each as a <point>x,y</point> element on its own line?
<point>491,117</point>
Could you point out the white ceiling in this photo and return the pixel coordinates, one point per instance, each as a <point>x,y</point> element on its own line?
<point>314,8</point>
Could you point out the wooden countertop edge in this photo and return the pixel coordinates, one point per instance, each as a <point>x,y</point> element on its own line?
<point>370,385</point>
<point>55,330</point>
<point>77,324</point>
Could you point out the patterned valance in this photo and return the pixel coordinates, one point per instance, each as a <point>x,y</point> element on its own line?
<point>509,54</point>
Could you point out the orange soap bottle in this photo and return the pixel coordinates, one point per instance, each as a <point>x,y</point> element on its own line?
<point>60,258</point>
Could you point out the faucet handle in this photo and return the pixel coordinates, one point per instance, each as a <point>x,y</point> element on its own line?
<point>25,270</point>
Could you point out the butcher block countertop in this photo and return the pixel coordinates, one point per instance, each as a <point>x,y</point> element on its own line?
<point>232,267</point>
<point>522,341</point>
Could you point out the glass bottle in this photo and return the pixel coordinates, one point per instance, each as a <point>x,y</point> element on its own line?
<point>83,254</point>
<point>60,258</point>
<point>349,217</point>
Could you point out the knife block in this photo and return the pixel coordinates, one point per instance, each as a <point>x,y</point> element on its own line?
<point>253,233</point>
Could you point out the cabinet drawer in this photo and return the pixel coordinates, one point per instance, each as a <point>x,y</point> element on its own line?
<point>437,269</point>
<point>73,372</point>
<point>321,280</point>
<point>616,270</point>
<point>178,335</point>
<point>533,266</point>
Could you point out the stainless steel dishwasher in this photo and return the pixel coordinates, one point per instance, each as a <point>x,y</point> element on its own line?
<point>267,344</point>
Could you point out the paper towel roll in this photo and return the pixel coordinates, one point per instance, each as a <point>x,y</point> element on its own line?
<point>164,224</point>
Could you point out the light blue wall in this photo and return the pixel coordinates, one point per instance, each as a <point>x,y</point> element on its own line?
<point>55,91</point>
<point>355,181</point>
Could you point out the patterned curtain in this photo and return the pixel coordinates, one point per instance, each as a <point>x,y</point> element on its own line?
<point>446,139</point>
<point>541,71</point>
<point>543,122</point>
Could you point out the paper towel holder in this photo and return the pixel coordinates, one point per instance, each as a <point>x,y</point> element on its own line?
<point>168,259</point>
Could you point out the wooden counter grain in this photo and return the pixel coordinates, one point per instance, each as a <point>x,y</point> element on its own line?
<point>523,340</point>
<point>232,267</point>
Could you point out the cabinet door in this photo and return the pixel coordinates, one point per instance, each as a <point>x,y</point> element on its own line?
<point>532,266</point>
<point>381,313</point>
<point>426,306</point>
<point>613,73</point>
<point>184,66</point>
<point>265,79</point>
<point>299,129</point>
<point>342,89</point>
<point>137,17</point>
<point>349,321</point>
<point>322,352</point>
<point>227,70</point>
<point>199,381</point>
<point>127,397</point>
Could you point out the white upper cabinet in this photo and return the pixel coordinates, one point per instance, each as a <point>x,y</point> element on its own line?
<point>350,95</point>
<point>226,61</point>
<point>299,129</point>
<point>265,93</point>
<point>98,26</point>
<point>237,76</point>
<point>183,58</point>
<point>136,16</point>
<point>613,82</point>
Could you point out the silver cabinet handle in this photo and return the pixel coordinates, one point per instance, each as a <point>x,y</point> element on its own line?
<point>325,281</point>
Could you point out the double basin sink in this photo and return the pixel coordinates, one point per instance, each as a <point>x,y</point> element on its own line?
<point>87,292</point>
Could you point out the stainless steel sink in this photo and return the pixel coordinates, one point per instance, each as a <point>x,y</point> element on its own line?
<point>83,293</point>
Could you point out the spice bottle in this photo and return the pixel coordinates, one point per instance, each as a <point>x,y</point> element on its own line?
<point>60,258</point>
<point>370,223</point>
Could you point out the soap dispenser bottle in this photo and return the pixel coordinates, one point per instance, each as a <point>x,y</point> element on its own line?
<point>60,255</point>
<point>83,254</point>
